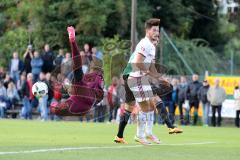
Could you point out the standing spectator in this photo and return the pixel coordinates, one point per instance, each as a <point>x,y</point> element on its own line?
<point>2,73</point>
<point>66,67</point>
<point>7,80</point>
<point>48,77</point>
<point>3,100</point>
<point>48,58</point>
<point>237,104</point>
<point>36,64</point>
<point>12,94</point>
<point>202,96</point>
<point>174,99</point>
<point>55,87</point>
<point>15,67</point>
<point>87,51</point>
<point>43,101</point>
<point>113,100</point>
<point>192,96</point>
<point>168,102</point>
<point>54,91</point>
<point>97,55</point>
<point>58,61</point>
<point>20,83</point>
<point>3,90</point>
<point>182,90</point>
<point>27,56</point>
<point>85,62</point>
<point>216,96</point>
<point>28,97</point>
<point>121,94</point>
<point>100,108</point>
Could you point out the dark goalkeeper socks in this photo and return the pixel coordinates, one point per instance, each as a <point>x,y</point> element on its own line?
<point>123,122</point>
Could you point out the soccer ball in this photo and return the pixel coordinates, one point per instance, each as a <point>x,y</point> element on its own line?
<point>39,89</point>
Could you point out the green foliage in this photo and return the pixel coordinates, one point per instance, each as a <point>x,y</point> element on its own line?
<point>174,15</point>
<point>115,53</point>
<point>45,21</point>
<point>196,53</point>
<point>14,40</point>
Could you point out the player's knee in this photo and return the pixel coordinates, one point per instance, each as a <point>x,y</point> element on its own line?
<point>129,106</point>
<point>145,106</point>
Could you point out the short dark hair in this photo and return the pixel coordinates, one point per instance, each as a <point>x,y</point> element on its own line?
<point>152,22</point>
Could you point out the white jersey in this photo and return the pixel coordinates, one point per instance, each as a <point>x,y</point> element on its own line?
<point>147,49</point>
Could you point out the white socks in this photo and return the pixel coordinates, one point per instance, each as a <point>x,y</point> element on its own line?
<point>145,124</point>
<point>150,120</point>
<point>141,124</point>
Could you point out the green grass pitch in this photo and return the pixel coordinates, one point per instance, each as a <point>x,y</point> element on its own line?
<point>35,140</point>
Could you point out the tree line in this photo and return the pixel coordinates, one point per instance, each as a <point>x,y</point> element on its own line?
<point>97,21</point>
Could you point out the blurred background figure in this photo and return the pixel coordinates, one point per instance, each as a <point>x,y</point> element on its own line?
<point>28,98</point>
<point>12,95</point>
<point>182,90</point>
<point>2,73</point>
<point>43,101</point>
<point>36,64</point>
<point>66,66</point>
<point>174,100</point>
<point>58,61</point>
<point>100,108</point>
<point>87,51</point>
<point>3,100</point>
<point>27,57</point>
<point>192,96</point>
<point>216,96</point>
<point>168,102</point>
<point>7,80</point>
<point>96,54</point>
<point>85,62</point>
<point>16,66</point>
<point>237,104</point>
<point>202,96</point>
<point>48,58</point>
<point>113,99</point>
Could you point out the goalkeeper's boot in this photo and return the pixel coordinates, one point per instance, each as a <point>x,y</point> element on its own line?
<point>120,140</point>
<point>175,130</point>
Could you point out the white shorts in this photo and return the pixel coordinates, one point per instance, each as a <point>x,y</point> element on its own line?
<point>140,88</point>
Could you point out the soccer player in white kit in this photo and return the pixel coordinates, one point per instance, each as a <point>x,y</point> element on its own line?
<point>136,76</point>
<point>138,80</point>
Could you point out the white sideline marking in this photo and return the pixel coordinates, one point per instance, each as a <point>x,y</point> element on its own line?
<point>107,147</point>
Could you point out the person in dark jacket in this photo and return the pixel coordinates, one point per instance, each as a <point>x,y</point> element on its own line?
<point>48,59</point>
<point>192,96</point>
<point>182,90</point>
<point>27,57</point>
<point>202,96</point>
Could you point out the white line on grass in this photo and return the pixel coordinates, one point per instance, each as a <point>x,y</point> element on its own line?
<point>99,147</point>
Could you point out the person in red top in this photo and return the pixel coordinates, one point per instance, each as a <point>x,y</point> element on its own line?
<point>28,98</point>
<point>85,90</point>
<point>113,101</point>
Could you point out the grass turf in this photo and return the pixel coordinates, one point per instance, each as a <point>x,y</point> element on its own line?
<point>95,142</point>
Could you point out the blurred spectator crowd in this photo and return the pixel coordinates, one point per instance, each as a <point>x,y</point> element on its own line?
<point>17,79</point>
